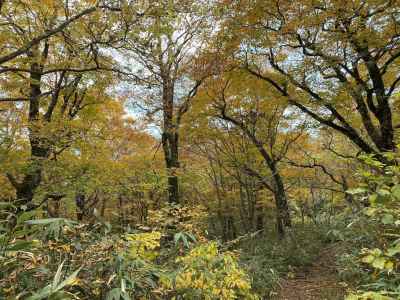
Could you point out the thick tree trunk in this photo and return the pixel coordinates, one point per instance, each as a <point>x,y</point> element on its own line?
<point>40,148</point>
<point>170,143</point>
<point>173,189</point>
<point>33,176</point>
<point>282,208</point>
<point>170,146</point>
<point>281,200</point>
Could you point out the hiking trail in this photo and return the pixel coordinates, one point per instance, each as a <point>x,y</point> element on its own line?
<point>316,282</point>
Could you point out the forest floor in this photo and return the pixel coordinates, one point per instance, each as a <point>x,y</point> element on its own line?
<point>316,282</point>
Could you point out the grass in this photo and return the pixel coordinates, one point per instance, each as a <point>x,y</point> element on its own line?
<point>269,259</point>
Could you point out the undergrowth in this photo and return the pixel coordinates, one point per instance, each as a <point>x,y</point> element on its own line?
<point>269,259</point>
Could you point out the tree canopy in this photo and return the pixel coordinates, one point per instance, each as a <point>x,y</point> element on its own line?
<point>199,149</point>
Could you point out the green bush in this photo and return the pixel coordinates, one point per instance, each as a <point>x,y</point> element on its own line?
<point>380,193</point>
<point>206,273</point>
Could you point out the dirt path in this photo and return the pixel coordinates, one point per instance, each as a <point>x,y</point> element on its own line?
<point>318,282</point>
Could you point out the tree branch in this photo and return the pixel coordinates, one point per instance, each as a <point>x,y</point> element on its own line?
<point>45,35</point>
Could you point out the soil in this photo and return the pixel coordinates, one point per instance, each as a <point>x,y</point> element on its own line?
<point>317,282</point>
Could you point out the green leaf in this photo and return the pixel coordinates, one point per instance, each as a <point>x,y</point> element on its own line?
<point>57,277</point>
<point>387,219</point>
<point>368,259</point>
<point>389,265</point>
<point>373,296</point>
<point>372,199</point>
<point>356,191</point>
<point>389,155</point>
<point>352,297</point>
<point>20,245</point>
<point>53,290</point>
<point>379,263</point>
<point>43,221</point>
<point>370,211</point>
<point>383,192</point>
<point>6,204</point>
<point>396,191</point>
<point>114,294</point>
<point>393,250</point>
<point>376,252</point>
<point>69,280</point>
<point>44,293</point>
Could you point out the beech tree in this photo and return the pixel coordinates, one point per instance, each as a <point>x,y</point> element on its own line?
<point>229,155</point>
<point>249,107</point>
<point>338,65</point>
<point>53,71</point>
<point>19,32</point>
<point>163,49</point>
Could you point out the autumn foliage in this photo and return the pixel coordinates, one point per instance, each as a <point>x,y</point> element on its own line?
<point>198,149</point>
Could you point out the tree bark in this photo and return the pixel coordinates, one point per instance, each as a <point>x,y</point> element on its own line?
<point>170,142</point>
<point>80,206</point>
<point>282,209</point>
<point>40,149</point>
<point>283,215</point>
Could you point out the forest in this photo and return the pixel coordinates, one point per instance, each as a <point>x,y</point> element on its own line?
<point>200,149</point>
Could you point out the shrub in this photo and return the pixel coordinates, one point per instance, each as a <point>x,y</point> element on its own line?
<point>380,191</point>
<point>205,273</point>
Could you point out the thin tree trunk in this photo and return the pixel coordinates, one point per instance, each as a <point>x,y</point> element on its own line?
<point>282,207</point>
<point>282,214</point>
<point>122,215</point>
<point>80,206</point>
<point>103,206</point>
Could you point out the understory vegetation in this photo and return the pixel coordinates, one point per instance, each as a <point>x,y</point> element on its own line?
<point>198,149</point>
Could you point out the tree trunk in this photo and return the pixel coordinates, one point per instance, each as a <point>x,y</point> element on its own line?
<point>80,206</point>
<point>260,221</point>
<point>243,211</point>
<point>122,219</point>
<point>173,189</point>
<point>347,196</point>
<point>40,148</point>
<point>282,208</point>
<point>103,206</point>
<point>170,146</point>
<point>170,142</point>
<point>259,212</point>
<point>281,201</point>
<point>231,228</point>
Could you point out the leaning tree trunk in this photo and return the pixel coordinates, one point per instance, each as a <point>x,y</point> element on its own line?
<point>282,208</point>
<point>278,189</point>
<point>281,200</point>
